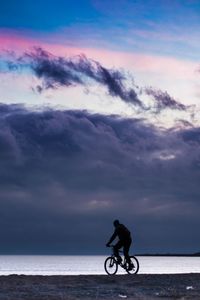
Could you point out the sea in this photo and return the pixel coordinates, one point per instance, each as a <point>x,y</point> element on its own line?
<point>85,265</point>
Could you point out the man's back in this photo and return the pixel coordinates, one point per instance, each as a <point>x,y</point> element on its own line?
<point>122,232</point>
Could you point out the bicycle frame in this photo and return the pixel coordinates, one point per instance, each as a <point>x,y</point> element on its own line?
<point>123,259</point>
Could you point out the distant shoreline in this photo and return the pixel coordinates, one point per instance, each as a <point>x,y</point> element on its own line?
<point>140,286</point>
<point>170,254</point>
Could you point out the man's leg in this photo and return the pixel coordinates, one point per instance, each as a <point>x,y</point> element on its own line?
<point>116,250</point>
<point>127,245</point>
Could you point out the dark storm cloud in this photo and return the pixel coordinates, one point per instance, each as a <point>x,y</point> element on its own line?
<point>56,71</point>
<point>53,70</point>
<point>59,71</point>
<point>163,100</point>
<point>65,175</point>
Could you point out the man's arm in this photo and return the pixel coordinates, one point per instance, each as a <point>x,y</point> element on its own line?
<point>112,238</point>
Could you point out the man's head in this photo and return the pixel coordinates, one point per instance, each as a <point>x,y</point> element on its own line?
<point>116,223</point>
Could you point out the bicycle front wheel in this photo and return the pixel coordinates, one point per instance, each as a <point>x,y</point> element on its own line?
<point>133,268</point>
<point>110,265</point>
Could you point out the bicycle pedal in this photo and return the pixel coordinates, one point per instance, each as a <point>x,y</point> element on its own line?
<point>119,262</point>
<point>131,267</point>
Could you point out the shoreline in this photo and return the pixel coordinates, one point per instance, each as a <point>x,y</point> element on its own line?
<point>63,287</point>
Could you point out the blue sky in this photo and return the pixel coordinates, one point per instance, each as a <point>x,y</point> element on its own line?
<point>45,15</point>
<point>99,114</point>
<point>157,26</point>
<point>49,15</point>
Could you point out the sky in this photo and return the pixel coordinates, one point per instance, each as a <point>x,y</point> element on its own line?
<point>99,115</point>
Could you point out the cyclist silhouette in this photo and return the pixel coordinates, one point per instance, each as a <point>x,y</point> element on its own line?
<point>125,241</point>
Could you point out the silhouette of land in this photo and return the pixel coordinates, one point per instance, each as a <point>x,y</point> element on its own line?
<point>141,286</point>
<point>197,254</point>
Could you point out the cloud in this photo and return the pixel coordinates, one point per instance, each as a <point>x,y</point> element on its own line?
<point>65,175</point>
<point>52,70</point>
<point>163,100</point>
<point>60,71</point>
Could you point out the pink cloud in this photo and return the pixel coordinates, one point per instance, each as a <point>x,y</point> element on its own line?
<point>136,62</point>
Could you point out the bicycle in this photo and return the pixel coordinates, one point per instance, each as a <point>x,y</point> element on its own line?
<point>111,264</point>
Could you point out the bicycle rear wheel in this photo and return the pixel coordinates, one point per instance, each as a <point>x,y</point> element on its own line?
<point>111,265</point>
<point>134,266</point>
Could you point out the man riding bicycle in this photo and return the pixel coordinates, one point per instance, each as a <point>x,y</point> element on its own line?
<point>125,241</point>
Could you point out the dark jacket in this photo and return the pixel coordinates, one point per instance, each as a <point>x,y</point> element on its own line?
<point>122,233</point>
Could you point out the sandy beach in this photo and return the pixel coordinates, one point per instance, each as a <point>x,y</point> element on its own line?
<point>173,286</point>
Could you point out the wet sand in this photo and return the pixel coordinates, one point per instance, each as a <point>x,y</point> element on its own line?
<point>173,286</point>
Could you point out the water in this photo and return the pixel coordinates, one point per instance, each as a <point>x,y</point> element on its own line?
<point>74,265</point>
